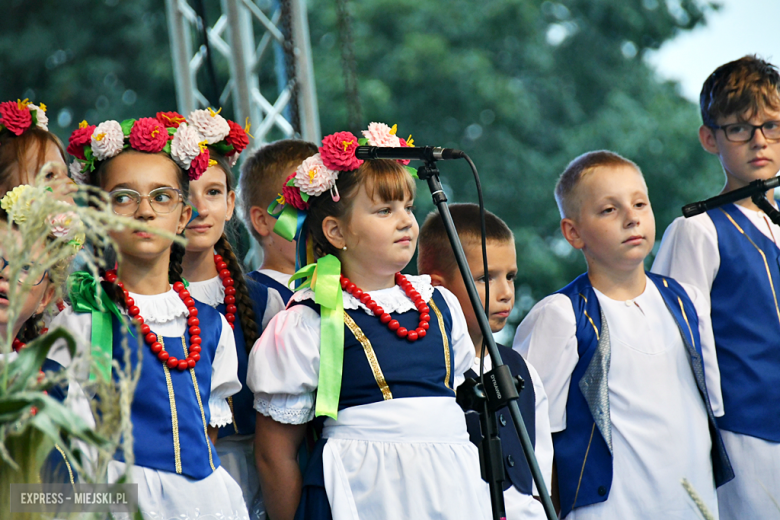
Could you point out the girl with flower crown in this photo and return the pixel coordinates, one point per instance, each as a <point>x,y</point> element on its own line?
<point>216,279</point>
<point>185,349</point>
<point>26,145</point>
<point>368,354</point>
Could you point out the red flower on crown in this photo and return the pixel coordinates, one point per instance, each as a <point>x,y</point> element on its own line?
<point>338,152</point>
<point>15,116</point>
<point>170,119</point>
<point>199,164</point>
<point>148,135</point>
<point>237,137</point>
<point>292,195</point>
<point>80,137</point>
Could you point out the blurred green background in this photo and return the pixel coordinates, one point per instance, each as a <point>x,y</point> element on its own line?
<point>523,86</point>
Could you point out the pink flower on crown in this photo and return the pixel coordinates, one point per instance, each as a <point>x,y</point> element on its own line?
<point>63,223</point>
<point>338,152</point>
<point>15,116</point>
<point>292,195</point>
<point>185,145</point>
<point>313,177</point>
<point>148,135</point>
<point>379,134</point>
<point>107,140</point>
<point>42,121</point>
<point>212,126</point>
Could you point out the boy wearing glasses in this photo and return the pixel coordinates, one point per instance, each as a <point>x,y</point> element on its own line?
<point>731,254</point>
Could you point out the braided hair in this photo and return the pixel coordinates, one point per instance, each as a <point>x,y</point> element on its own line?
<point>245,310</point>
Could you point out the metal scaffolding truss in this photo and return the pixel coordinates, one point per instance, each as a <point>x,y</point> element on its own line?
<point>234,37</point>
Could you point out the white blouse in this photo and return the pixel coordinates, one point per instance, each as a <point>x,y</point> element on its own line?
<point>212,293</point>
<point>284,363</point>
<point>166,314</point>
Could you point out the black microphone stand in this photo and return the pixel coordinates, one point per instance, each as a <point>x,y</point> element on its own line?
<point>757,188</point>
<point>501,389</point>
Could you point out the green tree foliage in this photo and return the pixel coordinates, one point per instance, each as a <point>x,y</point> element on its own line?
<point>523,86</point>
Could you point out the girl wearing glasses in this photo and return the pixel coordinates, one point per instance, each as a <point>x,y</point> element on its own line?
<point>216,279</point>
<point>185,349</point>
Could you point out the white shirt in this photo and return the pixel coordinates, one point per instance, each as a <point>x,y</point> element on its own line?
<point>660,431</point>
<point>212,293</point>
<point>166,314</point>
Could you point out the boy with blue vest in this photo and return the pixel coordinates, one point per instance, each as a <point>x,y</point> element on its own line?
<point>731,255</point>
<point>262,174</point>
<point>436,259</point>
<point>627,359</point>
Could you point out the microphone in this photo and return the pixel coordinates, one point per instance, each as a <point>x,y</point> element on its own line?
<point>421,153</point>
<point>756,187</point>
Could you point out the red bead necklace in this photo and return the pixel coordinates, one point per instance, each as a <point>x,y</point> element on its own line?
<point>384,317</point>
<point>230,290</point>
<point>151,338</point>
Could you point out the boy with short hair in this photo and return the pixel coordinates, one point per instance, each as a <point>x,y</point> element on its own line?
<point>262,176</point>
<point>436,259</point>
<point>731,255</point>
<point>622,354</point>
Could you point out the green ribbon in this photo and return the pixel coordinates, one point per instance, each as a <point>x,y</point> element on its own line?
<point>287,223</point>
<point>324,278</point>
<point>82,289</point>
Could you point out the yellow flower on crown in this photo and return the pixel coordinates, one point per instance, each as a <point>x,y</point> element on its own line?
<point>12,203</point>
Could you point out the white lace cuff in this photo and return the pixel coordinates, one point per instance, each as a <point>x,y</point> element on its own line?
<point>282,414</point>
<point>220,412</point>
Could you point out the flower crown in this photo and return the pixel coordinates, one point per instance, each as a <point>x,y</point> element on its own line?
<point>17,116</point>
<point>186,140</point>
<point>18,204</point>
<point>319,173</point>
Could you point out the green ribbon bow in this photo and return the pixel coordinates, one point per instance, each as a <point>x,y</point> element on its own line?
<point>324,278</point>
<point>82,289</point>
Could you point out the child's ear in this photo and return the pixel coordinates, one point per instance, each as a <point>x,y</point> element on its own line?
<point>184,219</point>
<point>707,139</point>
<point>259,219</point>
<point>331,228</point>
<point>231,205</point>
<point>46,300</point>
<point>571,234</point>
<point>437,280</point>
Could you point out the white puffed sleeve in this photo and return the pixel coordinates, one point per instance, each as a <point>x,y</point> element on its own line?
<point>224,377</point>
<point>462,346</point>
<point>543,447</point>
<point>689,252</point>
<point>284,366</point>
<point>80,327</point>
<point>273,306</point>
<point>547,338</point>
<point>708,355</point>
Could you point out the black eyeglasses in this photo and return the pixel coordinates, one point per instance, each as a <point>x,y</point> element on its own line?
<point>744,132</point>
<point>162,200</point>
<point>24,273</point>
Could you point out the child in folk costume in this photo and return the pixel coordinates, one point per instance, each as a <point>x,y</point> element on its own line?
<point>186,350</point>
<point>261,175</point>
<point>378,349</point>
<point>216,279</point>
<point>623,354</point>
<point>436,258</point>
<point>731,255</point>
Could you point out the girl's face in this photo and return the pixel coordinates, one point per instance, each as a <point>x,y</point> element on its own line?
<point>381,236</point>
<point>142,172</point>
<point>56,170</point>
<point>215,205</point>
<point>36,299</point>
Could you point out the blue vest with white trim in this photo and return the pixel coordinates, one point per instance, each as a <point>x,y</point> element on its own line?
<point>583,457</point>
<point>242,402</point>
<point>262,278</point>
<point>746,323</point>
<point>170,411</point>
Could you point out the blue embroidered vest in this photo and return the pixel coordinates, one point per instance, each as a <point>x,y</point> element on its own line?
<point>515,463</point>
<point>170,410</point>
<point>746,323</point>
<point>583,451</point>
<point>285,292</point>
<point>241,404</point>
<point>378,365</point>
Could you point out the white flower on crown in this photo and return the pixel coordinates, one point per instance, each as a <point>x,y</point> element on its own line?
<point>40,114</point>
<point>107,140</point>
<point>313,177</point>
<point>379,134</point>
<point>186,145</point>
<point>210,124</point>
<point>76,172</point>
